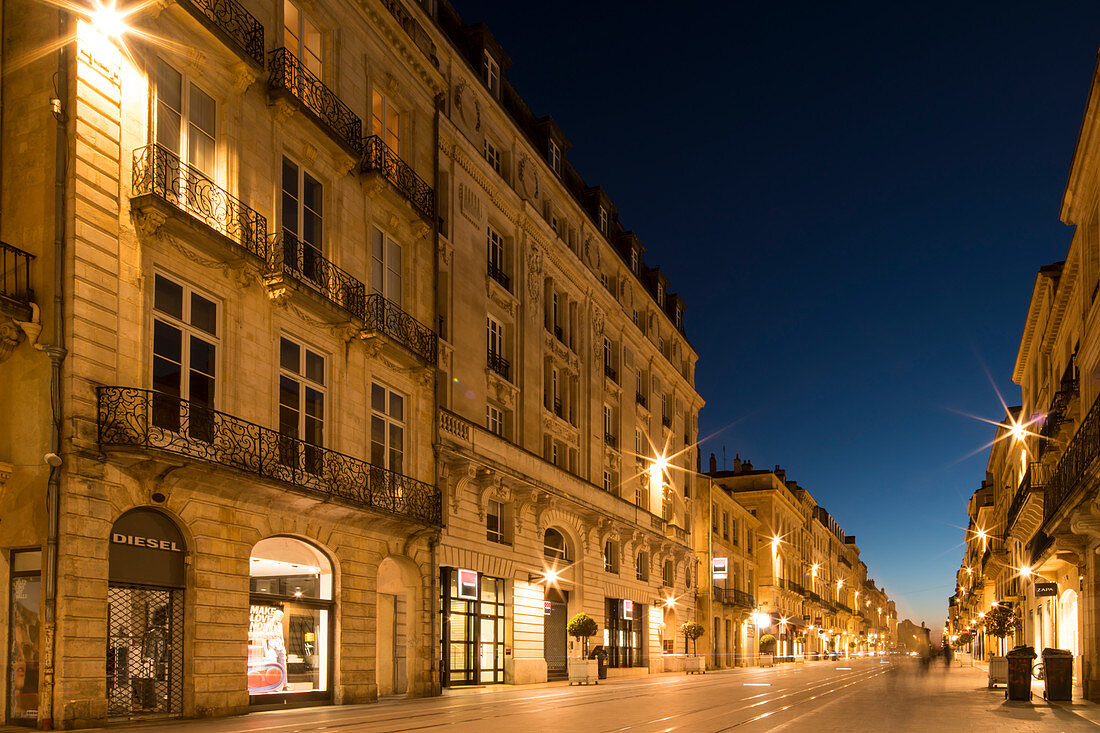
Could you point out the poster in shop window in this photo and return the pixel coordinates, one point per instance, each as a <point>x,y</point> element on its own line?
<point>266,650</point>
<point>23,673</point>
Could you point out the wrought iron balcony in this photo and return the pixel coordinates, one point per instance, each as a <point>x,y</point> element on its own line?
<point>15,273</point>
<point>377,156</point>
<point>160,173</point>
<point>290,76</point>
<point>383,315</point>
<point>743,599</point>
<point>796,587</point>
<point>498,274</point>
<point>610,373</point>
<point>141,418</point>
<point>1034,480</point>
<point>304,262</point>
<point>610,440</point>
<point>557,407</point>
<point>500,365</point>
<point>666,421</point>
<point>1074,464</point>
<point>559,334</point>
<point>233,23</point>
<point>641,400</point>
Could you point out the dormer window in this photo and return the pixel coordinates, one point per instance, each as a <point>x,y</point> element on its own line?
<point>679,317</point>
<point>555,157</point>
<point>634,260</point>
<point>603,221</point>
<point>491,70</point>
<point>660,295</point>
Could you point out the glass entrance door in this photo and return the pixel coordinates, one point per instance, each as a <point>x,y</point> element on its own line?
<point>473,631</point>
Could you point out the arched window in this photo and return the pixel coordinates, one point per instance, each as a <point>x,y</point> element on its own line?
<point>553,545</point>
<point>289,639</point>
<point>642,566</point>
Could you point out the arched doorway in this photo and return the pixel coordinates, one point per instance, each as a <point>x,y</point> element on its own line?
<point>396,633</point>
<point>290,659</point>
<point>145,616</point>
<point>555,649</point>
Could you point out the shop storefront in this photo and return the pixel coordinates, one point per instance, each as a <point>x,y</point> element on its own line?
<point>624,635</point>
<point>291,615</point>
<point>145,617</point>
<point>473,609</point>
<point>23,631</point>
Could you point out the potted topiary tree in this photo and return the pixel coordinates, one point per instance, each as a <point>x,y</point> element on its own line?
<point>1000,621</point>
<point>767,650</point>
<point>693,664</point>
<point>583,670</point>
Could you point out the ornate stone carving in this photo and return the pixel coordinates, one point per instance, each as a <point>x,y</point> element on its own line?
<point>501,389</point>
<point>597,335</point>
<point>244,76</point>
<point>501,297</point>
<point>10,336</point>
<point>149,222</point>
<point>528,178</point>
<point>468,106</point>
<point>534,274</point>
<point>444,251</point>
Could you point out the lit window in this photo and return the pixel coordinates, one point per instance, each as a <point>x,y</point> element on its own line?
<point>185,123</point>
<point>302,38</point>
<point>385,121</point>
<point>633,259</point>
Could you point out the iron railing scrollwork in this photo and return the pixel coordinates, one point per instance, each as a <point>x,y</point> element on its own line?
<point>151,420</point>
<point>499,364</point>
<point>231,19</point>
<point>743,599</point>
<point>304,262</point>
<point>289,74</point>
<point>641,399</point>
<point>500,276</point>
<point>160,172</point>
<point>383,315</point>
<point>1074,463</point>
<point>377,156</point>
<point>610,440</point>
<point>15,273</point>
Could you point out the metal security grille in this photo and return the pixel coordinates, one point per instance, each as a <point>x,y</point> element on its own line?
<point>144,652</point>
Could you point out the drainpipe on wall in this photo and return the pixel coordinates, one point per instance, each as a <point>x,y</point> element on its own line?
<point>433,543</point>
<point>56,353</point>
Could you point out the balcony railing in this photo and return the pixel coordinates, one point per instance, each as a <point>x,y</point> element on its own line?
<point>150,420</point>
<point>610,373</point>
<point>238,27</point>
<point>666,421</point>
<point>610,440</point>
<point>499,275</point>
<point>1034,480</point>
<point>383,315</point>
<point>743,599</point>
<point>640,399</point>
<point>377,156</point>
<point>796,587</point>
<point>559,334</point>
<point>305,263</point>
<point>499,364</point>
<point>1074,464</point>
<point>557,407</point>
<point>159,172</point>
<point>290,75</point>
<point>15,273</point>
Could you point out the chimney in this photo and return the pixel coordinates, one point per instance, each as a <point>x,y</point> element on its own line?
<point>746,466</point>
<point>713,464</point>
<point>737,463</point>
<point>780,474</point>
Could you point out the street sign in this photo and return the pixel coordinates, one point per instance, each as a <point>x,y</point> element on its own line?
<point>628,610</point>
<point>719,568</point>
<point>1046,589</point>
<point>547,607</point>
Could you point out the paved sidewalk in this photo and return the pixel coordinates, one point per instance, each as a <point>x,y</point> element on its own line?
<point>945,699</point>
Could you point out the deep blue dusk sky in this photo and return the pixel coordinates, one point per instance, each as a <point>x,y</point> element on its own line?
<point>853,198</point>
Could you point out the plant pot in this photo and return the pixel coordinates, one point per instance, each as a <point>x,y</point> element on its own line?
<point>767,660</point>
<point>584,671</point>
<point>695,665</point>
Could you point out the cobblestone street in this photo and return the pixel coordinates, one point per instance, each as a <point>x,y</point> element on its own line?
<point>865,695</point>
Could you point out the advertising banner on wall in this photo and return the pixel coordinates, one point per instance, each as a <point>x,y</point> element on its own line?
<point>23,660</point>
<point>266,650</point>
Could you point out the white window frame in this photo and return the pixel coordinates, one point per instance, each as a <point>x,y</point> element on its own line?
<point>492,154</point>
<point>390,248</point>
<point>603,221</point>
<point>495,251</point>
<point>494,420</point>
<point>182,147</point>
<point>495,342</point>
<point>490,70</point>
<point>555,157</point>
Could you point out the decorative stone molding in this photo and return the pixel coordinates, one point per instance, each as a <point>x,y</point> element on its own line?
<point>597,335</point>
<point>284,110</point>
<point>528,178</point>
<point>148,222</point>
<point>562,353</point>
<point>445,253</point>
<point>10,337</point>
<point>534,274</point>
<point>469,204</point>
<point>5,473</point>
<point>468,106</point>
<point>501,389</point>
<point>497,294</point>
<point>244,76</point>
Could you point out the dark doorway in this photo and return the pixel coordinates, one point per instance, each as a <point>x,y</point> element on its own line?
<point>555,649</point>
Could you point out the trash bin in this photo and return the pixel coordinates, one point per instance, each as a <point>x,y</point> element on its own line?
<point>1058,673</point>
<point>600,655</point>
<point>1019,673</point>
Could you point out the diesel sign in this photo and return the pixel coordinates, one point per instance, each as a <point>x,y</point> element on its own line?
<point>129,539</point>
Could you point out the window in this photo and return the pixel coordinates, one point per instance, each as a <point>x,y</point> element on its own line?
<point>634,262</point>
<point>639,447</point>
<point>609,360</point>
<point>301,405</point>
<point>668,574</point>
<point>303,221</point>
<point>385,121</point>
<point>555,157</point>
<point>302,38</point>
<point>492,154</point>
<point>610,429</point>
<point>387,428</point>
<point>714,518</point>
<point>553,545</point>
<point>611,556</point>
<point>660,295</point>
<point>386,264</point>
<point>603,221</point>
<point>186,118</point>
<point>725,525</point>
<point>679,318</point>
<point>494,420</point>
<point>641,567</point>
<point>495,250</point>
<point>495,336</point>
<point>185,339</point>
<point>491,70</point>
<point>607,481</point>
<point>494,522</point>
